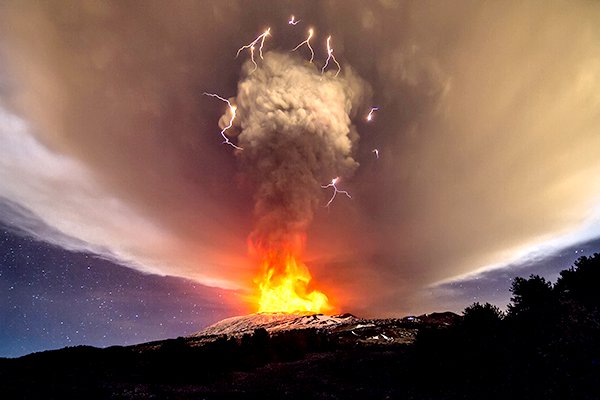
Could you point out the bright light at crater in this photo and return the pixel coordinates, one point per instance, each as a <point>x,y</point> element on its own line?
<point>285,286</point>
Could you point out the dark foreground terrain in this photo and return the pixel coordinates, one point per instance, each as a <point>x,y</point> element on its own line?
<point>547,346</point>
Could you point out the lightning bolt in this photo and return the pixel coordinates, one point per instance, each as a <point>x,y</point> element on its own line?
<point>252,58</point>
<point>333,183</point>
<point>307,42</point>
<point>370,116</point>
<point>252,45</point>
<point>293,21</point>
<point>330,56</point>
<point>233,110</point>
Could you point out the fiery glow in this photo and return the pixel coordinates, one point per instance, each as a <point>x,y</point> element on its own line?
<point>284,286</point>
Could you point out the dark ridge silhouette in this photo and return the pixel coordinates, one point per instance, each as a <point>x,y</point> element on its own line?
<point>546,346</point>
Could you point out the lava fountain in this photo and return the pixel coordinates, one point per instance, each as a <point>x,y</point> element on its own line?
<point>284,284</point>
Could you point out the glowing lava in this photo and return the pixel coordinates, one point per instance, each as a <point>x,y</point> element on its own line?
<point>284,286</point>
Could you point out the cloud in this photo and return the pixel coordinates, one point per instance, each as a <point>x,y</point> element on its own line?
<point>487,132</point>
<point>498,156</point>
<point>296,133</point>
<point>55,199</point>
<point>111,151</point>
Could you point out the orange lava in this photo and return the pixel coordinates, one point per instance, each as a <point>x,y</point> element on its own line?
<point>284,286</point>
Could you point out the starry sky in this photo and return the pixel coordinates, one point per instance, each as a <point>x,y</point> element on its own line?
<point>53,298</point>
<point>124,218</point>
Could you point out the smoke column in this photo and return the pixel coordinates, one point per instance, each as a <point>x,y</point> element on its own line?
<point>295,130</point>
<point>294,125</point>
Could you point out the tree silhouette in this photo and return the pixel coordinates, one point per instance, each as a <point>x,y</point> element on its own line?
<point>580,283</point>
<point>486,317</point>
<point>532,298</point>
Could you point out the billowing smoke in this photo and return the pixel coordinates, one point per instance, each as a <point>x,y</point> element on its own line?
<point>296,133</point>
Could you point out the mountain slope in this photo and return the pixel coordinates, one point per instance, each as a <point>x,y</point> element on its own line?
<point>345,328</point>
<point>274,322</point>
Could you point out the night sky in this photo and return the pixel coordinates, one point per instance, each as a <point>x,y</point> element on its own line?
<point>53,298</point>
<point>124,218</point>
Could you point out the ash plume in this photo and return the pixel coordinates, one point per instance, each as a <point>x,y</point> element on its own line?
<point>295,128</point>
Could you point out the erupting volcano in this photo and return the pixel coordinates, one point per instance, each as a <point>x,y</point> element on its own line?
<point>294,132</point>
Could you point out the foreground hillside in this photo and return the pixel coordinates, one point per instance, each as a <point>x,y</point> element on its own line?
<point>262,355</point>
<point>546,346</point>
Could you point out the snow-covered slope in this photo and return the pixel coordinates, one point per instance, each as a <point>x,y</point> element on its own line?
<point>274,322</point>
<point>344,328</point>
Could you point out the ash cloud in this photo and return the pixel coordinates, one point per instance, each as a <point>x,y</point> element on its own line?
<point>296,133</point>
<point>487,131</point>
